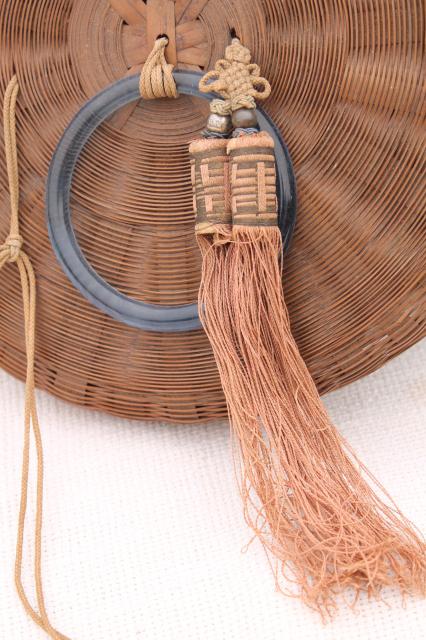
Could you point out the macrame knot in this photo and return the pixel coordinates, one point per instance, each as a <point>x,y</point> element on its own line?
<point>236,80</point>
<point>13,245</point>
<point>221,107</point>
<point>157,79</point>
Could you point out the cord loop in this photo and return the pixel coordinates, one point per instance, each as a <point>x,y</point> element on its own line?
<point>156,80</point>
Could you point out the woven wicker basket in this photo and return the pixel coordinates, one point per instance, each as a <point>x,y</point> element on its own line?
<point>347,79</point>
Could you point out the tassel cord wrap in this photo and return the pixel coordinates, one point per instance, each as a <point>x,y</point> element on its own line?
<point>11,252</point>
<point>327,525</point>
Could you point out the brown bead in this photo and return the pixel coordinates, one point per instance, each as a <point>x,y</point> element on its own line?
<point>244,118</point>
<point>218,123</point>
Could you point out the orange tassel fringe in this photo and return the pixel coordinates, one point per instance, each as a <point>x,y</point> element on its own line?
<point>305,492</point>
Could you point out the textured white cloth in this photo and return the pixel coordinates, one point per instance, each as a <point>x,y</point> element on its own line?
<point>144,530</point>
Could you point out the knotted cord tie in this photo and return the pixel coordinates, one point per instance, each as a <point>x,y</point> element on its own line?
<point>156,81</point>
<point>236,79</point>
<point>11,251</point>
<point>11,248</point>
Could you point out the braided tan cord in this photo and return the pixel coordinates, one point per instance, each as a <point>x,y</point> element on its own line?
<point>11,251</point>
<point>221,107</point>
<point>156,80</point>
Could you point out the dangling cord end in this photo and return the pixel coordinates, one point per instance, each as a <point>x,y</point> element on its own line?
<point>11,252</point>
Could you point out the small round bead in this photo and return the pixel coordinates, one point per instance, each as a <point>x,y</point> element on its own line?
<point>218,123</point>
<point>244,118</point>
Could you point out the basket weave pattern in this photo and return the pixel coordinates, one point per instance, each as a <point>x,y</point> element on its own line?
<point>347,97</point>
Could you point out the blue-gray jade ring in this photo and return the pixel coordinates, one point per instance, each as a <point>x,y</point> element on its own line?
<point>149,317</point>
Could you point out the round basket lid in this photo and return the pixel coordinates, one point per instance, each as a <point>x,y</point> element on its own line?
<point>347,98</point>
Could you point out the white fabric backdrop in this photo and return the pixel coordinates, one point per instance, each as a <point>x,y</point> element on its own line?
<point>143,527</point>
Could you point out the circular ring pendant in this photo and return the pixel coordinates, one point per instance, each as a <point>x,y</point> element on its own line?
<point>150,317</point>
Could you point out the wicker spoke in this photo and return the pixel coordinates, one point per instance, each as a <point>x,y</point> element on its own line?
<point>196,56</point>
<point>188,38</point>
<point>193,10</point>
<point>135,46</point>
<point>131,11</point>
<point>180,6</point>
<point>190,34</point>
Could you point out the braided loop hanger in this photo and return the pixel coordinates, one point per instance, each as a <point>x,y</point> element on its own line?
<point>156,80</point>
